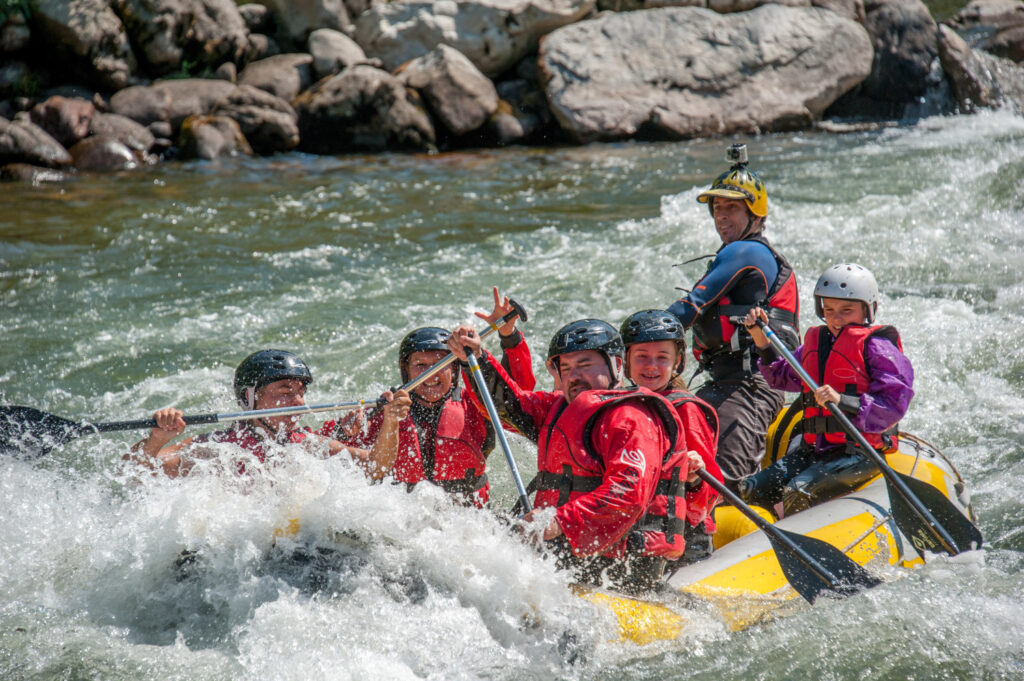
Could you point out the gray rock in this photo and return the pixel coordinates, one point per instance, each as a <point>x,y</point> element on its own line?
<point>851,9</point>
<point>256,17</point>
<point>170,100</point>
<point>506,128</point>
<point>226,71</point>
<point>493,34</point>
<point>979,80</point>
<point>133,135</point>
<point>456,92</point>
<point>296,19</point>
<point>103,153</point>
<point>904,70</point>
<point>172,34</point>
<point>92,34</point>
<point>23,172</point>
<point>21,141</point>
<point>333,51</point>
<point>361,109</point>
<point>996,26</point>
<point>66,120</point>
<point>269,123</point>
<point>160,129</point>
<point>284,75</point>
<point>688,72</point>
<point>209,137</point>
<point>260,47</point>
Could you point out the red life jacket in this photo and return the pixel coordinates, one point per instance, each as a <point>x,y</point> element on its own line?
<point>842,364</point>
<point>713,332</point>
<point>244,435</point>
<point>462,440</point>
<point>569,466</point>
<point>700,502</point>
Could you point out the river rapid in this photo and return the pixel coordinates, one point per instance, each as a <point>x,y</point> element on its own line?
<point>122,294</point>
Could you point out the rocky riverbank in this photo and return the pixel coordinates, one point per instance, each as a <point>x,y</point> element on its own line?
<point>89,85</point>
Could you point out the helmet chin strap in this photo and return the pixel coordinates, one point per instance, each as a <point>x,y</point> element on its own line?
<point>751,218</point>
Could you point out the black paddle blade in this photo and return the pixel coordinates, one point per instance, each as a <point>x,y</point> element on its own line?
<point>966,535</point>
<point>845,577</point>
<point>28,433</point>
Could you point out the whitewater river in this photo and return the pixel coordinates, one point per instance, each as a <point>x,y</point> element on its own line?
<point>122,294</point>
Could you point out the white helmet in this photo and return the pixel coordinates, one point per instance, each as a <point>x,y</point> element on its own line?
<point>847,281</point>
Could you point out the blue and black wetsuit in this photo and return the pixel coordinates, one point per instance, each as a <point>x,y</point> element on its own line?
<point>744,274</point>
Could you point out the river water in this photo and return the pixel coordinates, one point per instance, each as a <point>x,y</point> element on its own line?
<point>121,294</point>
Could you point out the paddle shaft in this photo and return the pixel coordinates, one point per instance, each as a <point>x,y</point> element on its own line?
<point>866,449</point>
<point>819,570</point>
<point>304,409</point>
<point>485,397</point>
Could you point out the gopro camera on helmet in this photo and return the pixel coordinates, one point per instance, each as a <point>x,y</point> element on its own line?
<point>736,154</point>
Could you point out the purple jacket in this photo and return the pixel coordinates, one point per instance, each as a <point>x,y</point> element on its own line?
<point>890,387</point>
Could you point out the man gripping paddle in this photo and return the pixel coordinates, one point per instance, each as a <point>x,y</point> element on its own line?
<point>265,380</point>
<point>603,454</point>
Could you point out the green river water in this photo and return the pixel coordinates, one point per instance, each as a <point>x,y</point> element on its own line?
<point>121,294</point>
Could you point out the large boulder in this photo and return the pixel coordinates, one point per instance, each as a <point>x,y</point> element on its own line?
<point>905,68</point>
<point>494,34</point>
<point>170,100</point>
<point>174,35</point>
<point>209,137</point>
<point>333,52</point>
<point>269,123</point>
<point>980,80</point>
<point>688,72</point>
<point>103,153</point>
<point>456,92</point>
<point>66,119</point>
<point>133,135</point>
<point>22,141</point>
<point>283,75</point>
<point>296,19</point>
<point>996,26</point>
<point>361,109</point>
<point>92,36</point>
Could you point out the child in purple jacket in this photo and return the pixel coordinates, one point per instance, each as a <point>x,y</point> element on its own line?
<point>858,365</point>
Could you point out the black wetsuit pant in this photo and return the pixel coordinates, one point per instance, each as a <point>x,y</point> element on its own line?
<point>803,478</point>
<point>746,408</point>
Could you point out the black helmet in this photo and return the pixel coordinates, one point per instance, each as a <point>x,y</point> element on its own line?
<point>419,340</point>
<point>648,326</point>
<point>266,366</point>
<point>588,334</point>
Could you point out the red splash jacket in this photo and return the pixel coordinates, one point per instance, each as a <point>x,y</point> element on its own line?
<point>599,460</point>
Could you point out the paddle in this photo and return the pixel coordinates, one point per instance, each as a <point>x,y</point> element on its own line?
<point>29,433</point>
<point>485,397</point>
<point>916,505</point>
<point>811,565</point>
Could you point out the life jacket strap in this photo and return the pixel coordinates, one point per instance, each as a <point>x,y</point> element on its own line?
<point>467,486</point>
<point>566,483</point>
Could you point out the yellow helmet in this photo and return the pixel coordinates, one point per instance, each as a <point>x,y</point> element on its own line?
<point>739,182</point>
